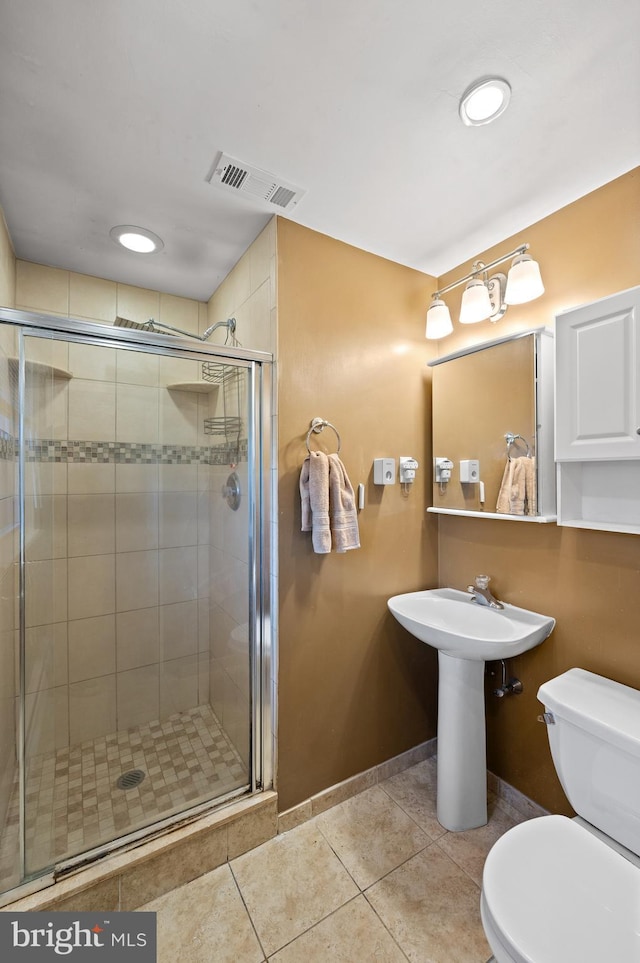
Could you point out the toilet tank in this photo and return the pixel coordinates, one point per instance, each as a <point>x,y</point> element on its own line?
<point>595,745</point>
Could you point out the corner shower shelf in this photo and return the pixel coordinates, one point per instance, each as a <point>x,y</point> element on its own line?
<point>42,369</point>
<point>197,387</point>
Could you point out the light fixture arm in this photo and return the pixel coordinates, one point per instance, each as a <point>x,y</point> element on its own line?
<point>478,268</point>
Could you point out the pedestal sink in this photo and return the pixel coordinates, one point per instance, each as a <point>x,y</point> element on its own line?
<point>466,634</point>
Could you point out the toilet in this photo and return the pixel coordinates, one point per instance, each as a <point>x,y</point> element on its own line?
<point>559,890</point>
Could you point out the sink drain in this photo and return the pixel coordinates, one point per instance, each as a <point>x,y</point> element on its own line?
<point>130,779</point>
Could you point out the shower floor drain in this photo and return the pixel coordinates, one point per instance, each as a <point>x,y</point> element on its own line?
<point>131,779</point>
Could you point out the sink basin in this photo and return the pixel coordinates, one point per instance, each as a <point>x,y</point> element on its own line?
<point>466,635</point>
<point>448,620</point>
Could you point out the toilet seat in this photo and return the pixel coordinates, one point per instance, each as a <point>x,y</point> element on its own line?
<point>554,893</point>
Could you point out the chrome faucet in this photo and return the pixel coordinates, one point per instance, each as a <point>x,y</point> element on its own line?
<point>481,593</point>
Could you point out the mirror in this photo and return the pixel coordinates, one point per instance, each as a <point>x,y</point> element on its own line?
<point>493,418</point>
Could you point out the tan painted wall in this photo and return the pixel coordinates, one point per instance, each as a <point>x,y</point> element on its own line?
<point>354,688</point>
<point>588,580</point>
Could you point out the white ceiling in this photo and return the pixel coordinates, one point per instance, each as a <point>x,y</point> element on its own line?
<point>113,112</point>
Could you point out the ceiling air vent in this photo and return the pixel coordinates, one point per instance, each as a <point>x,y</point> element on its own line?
<point>234,175</point>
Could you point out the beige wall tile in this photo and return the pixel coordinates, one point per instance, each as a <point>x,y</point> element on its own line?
<point>260,254</point>
<point>178,630</point>
<point>92,298</point>
<point>91,586</point>
<point>137,638</point>
<point>92,708</point>
<point>179,312</point>
<point>136,478</point>
<point>92,647</point>
<point>203,678</point>
<point>136,580</point>
<point>41,288</point>
<point>46,720</point>
<point>92,410</point>
<point>91,524</point>
<point>89,479</point>
<point>138,696</point>
<point>46,656</point>
<point>178,575</point>
<point>45,518</point>
<point>137,367</point>
<point>177,370</point>
<point>178,685</point>
<point>178,478</point>
<point>178,519</point>
<point>92,363</point>
<point>137,304</point>
<point>48,478</point>
<point>46,592</point>
<point>137,414</point>
<point>178,418</point>
<point>7,267</point>
<point>136,521</point>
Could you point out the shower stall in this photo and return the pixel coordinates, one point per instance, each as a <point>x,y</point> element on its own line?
<point>135,615</point>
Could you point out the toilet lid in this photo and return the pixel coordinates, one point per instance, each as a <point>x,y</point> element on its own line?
<point>556,894</point>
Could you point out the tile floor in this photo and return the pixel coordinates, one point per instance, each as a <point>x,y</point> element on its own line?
<point>74,804</point>
<point>375,879</point>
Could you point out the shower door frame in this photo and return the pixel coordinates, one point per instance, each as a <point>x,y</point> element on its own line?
<point>262,547</point>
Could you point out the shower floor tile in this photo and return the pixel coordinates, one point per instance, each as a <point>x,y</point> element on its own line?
<point>73,803</point>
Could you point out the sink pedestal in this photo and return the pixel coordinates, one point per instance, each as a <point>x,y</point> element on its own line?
<point>462,753</point>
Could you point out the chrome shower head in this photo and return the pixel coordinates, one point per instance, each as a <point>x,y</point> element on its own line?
<point>159,327</point>
<point>126,323</point>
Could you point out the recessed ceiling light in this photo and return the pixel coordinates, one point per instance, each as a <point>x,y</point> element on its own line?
<point>484,100</point>
<point>136,239</point>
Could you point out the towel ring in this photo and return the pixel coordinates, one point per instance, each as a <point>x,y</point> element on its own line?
<point>318,425</point>
<point>511,439</point>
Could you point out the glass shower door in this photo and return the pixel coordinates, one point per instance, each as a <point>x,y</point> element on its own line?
<point>139,572</point>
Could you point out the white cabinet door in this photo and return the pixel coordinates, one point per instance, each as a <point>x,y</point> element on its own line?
<point>598,379</point>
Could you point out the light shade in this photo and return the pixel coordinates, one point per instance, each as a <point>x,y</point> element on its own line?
<point>438,321</point>
<point>476,303</point>
<point>137,239</point>
<point>524,282</point>
<point>484,100</point>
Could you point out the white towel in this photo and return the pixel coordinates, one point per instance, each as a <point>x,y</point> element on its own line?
<point>342,508</point>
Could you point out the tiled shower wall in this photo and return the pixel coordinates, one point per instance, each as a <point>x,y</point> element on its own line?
<point>249,294</point>
<point>117,522</point>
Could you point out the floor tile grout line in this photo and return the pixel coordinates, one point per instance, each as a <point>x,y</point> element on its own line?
<point>369,903</point>
<point>241,895</point>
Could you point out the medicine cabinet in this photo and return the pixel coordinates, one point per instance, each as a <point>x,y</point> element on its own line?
<point>483,396</point>
<point>598,414</point>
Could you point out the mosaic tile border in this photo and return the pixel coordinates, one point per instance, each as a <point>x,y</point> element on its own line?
<point>51,451</point>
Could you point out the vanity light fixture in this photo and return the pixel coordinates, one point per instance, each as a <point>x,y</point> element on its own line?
<point>487,297</point>
<point>137,239</point>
